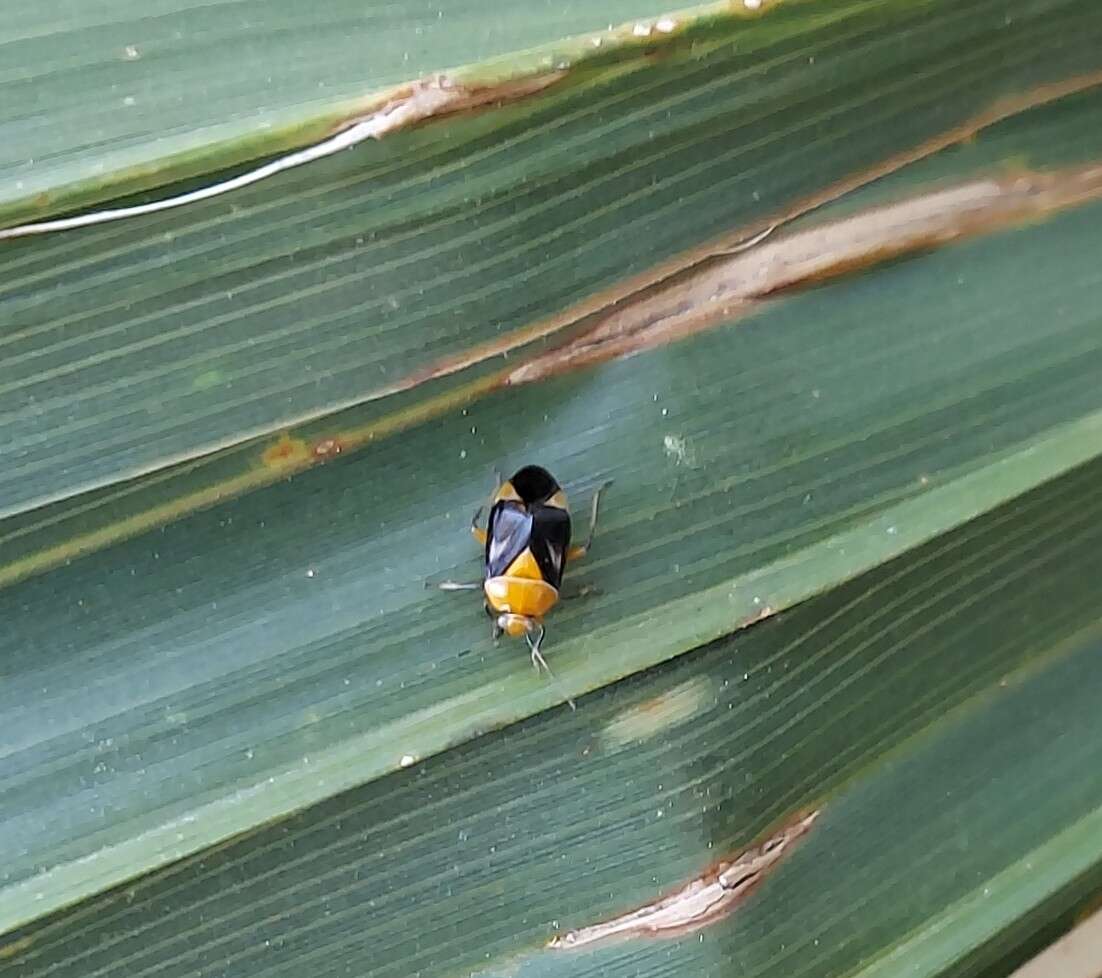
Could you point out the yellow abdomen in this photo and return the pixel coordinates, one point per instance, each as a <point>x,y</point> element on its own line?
<point>520,596</point>
<point>521,590</point>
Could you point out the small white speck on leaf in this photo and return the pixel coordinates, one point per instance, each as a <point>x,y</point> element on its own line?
<point>677,448</point>
<point>407,760</point>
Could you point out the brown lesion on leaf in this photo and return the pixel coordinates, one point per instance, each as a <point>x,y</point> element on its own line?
<point>716,283</point>
<point>286,453</point>
<point>765,612</point>
<point>728,287</point>
<point>703,900</point>
<point>327,448</point>
<point>443,95</point>
<point>293,454</point>
<point>17,946</point>
<point>660,304</point>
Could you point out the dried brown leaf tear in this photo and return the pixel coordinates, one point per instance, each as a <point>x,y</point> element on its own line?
<point>700,902</point>
<point>728,287</point>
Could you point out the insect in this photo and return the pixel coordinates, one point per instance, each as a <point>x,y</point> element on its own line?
<point>527,547</point>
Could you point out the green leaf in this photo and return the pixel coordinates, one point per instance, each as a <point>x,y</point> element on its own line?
<point>137,344</point>
<point>242,435</point>
<point>253,659</point>
<point>104,99</point>
<point>940,712</point>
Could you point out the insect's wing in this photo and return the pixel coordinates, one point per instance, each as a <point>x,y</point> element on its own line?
<point>507,534</point>
<point>550,542</point>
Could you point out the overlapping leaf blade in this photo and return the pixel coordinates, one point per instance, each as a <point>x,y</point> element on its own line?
<point>134,91</point>
<point>256,657</point>
<point>916,706</point>
<point>132,345</point>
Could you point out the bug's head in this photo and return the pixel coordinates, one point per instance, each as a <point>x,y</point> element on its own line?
<point>515,625</point>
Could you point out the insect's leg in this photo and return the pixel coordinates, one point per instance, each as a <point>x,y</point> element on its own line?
<point>499,479</point>
<point>476,531</point>
<point>460,585</point>
<point>577,552</point>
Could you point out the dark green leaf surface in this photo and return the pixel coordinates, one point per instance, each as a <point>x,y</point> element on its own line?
<point>235,645</point>
<point>1066,133</point>
<point>91,88</point>
<point>169,692</point>
<point>942,711</point>
<point>132,345</point>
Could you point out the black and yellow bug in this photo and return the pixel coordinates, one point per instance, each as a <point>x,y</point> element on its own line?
<point>526,549</point>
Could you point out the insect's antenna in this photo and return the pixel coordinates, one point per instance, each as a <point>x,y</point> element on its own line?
<point>594,506</point>
<point>534,644</point>
<point>534,637</point>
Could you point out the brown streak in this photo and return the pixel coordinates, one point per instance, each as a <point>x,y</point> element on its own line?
<point>656,276</point>
<point>655,279</point>
<point>440,96</point>
<point>701,901</point>
<point>721,291</point>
